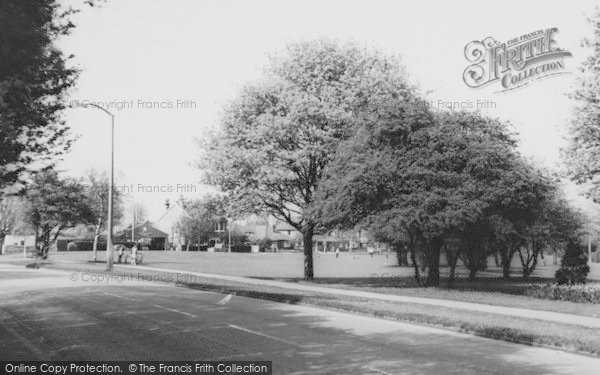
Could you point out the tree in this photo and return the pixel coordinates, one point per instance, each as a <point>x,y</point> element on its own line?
<point>97,198</point>
<point>11,217</point>
<point>277,136</point>
<point>138,212</point>
<point>581,154</point>
<point>34,79</point>
<point>55,203</point>
<point>202,217</point>
<point>573,267</point>
<point>423,186</point>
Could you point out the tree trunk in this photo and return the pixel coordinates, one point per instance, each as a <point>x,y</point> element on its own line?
<point>307,237</point>
<point>528,269</point>
<point>2,236</point>
<point>452,260</point>
<point>96,236</point>
<point>401,254</point>
<point>433,260</point>
<point>413,259</point>
<point>496,260</point>
<point>472,274</point>
<point>506,256</point>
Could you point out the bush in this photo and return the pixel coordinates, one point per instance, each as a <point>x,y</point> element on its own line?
<point>573,266</point>
<point>588,293</point>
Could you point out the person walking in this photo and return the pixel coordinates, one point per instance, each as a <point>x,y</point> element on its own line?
<point>337,252</point>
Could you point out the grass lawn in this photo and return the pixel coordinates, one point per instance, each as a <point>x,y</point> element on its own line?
<point>378,274</point>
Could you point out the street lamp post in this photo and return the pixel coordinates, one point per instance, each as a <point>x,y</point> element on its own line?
<point>590,249</point>
<point>109,245</point>
<point>229,235</point>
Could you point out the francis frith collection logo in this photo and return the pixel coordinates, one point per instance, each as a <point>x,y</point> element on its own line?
<point>514,63</point>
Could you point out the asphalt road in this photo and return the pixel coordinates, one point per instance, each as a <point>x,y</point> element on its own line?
<point>46,315</point>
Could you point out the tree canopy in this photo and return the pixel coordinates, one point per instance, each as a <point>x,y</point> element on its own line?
<point>279,134</point>
<point>201,220</point>
<point>582,155</point>
<point>459,179</point>
<point>55,203</point>
<point>35,77</point>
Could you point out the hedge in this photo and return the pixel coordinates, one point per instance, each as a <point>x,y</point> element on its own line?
<point>581,293</point>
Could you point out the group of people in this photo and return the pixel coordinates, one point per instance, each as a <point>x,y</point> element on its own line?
<point>121,253</point>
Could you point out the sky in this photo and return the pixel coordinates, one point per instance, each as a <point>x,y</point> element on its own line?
<point>167,68</point>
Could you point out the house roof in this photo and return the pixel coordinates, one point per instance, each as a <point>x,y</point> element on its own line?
<point>283,226</point>
<point>277,236</point>
<point>145,229</point>
<point>175,206</point>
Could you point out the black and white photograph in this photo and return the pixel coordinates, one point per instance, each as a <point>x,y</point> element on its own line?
<point>383,187</point>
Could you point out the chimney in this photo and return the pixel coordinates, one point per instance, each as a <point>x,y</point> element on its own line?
<point>167,204</point>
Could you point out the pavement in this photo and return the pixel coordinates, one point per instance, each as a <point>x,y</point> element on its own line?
<point>549,316</point>
<point>53,315</point>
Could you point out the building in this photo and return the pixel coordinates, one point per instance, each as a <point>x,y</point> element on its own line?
<point>146,234</point>
<point>167,223</point>
<point>18,244</point>
<point>271,233</point>
<point>347,240</point>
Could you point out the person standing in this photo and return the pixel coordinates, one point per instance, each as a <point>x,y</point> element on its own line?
<point>120,252</point>
<point>134,250</point>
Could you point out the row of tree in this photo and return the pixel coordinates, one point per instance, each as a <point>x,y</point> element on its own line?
<point>336,136</point>
<point>51,203</point>
<point>453,184</point>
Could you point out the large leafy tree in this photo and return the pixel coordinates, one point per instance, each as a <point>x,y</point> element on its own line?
<point>514,224</point>
<point>422,187</point>
<point>278,135</point>
<point>55,203</point>
<point>582,154</point>
<point>35,77</point>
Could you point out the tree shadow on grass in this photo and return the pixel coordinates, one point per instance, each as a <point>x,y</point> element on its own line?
<point>515,286</point>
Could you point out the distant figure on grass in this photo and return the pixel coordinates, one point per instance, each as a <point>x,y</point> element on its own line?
<point>134,250</point>
<point>337,252</point>
<point>371,251</point>
<point>121,252</point>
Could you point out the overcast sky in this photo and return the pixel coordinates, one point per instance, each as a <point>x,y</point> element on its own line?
<point>139,52</point>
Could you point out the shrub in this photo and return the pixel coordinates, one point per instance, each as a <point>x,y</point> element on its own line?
<point>573,266</point>
<point>581,293</point>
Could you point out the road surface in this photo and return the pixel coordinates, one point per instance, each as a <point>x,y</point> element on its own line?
<point>55,315</point>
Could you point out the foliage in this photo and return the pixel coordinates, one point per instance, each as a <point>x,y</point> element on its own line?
<point>278,135</point>
<point>98,184</point>
<point>426,185</point>
<point>55,203</point>
<point>199,224</point>
<point>573,267</point>
<point>581,154</point>
<point>456,183</point>
<point>139,212</point>
<point>35,77</point>
<point>581,293</point>
<point>12,220</point>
